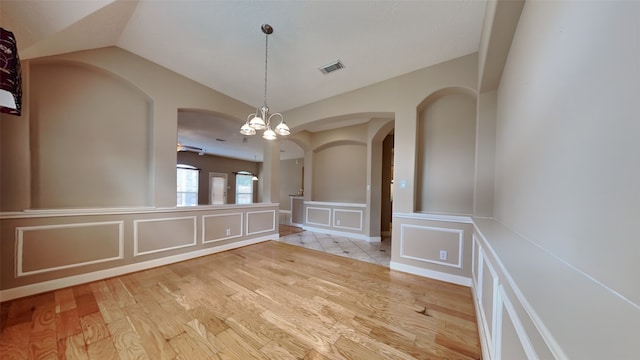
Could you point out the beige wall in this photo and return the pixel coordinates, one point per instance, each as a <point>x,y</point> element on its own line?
<point>15,164</point>
<point>167,92</point>
<point>485,154</point>
<point>290,181</point>
<point>372,101</point>
<point>446,154</point>
<point>339,165</point>
<point>399,97</point>
<point>346,155</point>
<point>340,173</point>
<point>85,151</point>
<point>567,144</point>
<point>557,133</point>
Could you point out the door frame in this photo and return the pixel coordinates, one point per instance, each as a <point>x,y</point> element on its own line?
<point>226,185</point>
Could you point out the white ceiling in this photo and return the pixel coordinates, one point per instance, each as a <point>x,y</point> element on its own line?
<point>219,43</point>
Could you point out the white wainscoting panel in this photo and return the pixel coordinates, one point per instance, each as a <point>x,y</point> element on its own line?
<point>407,241</point>
<point>156,235</point>
<point>317,211</point>
<point>230,219</point>
<point>487,292</point>
<point>342,226</point>
<point>46,248</point>
<point>475,261</point>
<point>511,341</point>
<point>267,216</point>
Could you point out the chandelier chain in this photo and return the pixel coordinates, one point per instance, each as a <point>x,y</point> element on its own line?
<point>266,60</point>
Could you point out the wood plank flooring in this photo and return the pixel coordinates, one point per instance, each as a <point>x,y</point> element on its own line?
<point>285,230</point>
<point>266,301</point>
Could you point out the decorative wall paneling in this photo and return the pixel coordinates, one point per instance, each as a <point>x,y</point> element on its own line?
<point>318,216</point>
<point>262,221</point>
<point>157,235</point>
<point>341,219</point>
<point>46,250</point>
<point>452,240</point>
<point>420,239</point>
<point>532,305</point>
<point>529,304</point>
<point>38,247</point>
<point>348,219</point>
<point>221,227</point>
<point>503,333</point>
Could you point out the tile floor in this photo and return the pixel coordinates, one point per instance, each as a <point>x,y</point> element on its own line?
<point>376,252</point>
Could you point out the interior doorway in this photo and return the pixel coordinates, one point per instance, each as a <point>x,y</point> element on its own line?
<point>217,188</point>
<point>386,195</point>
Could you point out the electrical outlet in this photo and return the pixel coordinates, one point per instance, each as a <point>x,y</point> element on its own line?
<point>338,222</point>
<point>443,254</point>
<point>228,232</point>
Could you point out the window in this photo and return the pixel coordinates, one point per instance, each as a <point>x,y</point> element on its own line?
<point>244,187</point>
<point>187,185</point>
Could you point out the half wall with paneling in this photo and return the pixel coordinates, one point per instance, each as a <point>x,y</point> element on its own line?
<point>45,250</point>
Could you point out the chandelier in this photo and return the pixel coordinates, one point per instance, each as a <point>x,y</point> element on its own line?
<point>261,120</point>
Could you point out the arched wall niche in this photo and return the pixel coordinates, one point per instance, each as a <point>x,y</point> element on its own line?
<point>123,81</point>
<point>340,172</point>
<point>445,152</point>
<point>303,144</point>
<point>87,152</point>
<point>452,90</point>
<point>338,143</point>
<point>214,113</point>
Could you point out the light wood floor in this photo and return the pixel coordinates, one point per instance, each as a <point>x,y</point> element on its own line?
<point>285,230</point>
<point>266,301</point>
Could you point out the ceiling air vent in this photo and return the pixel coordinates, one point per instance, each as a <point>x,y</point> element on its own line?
<point>333,66</point>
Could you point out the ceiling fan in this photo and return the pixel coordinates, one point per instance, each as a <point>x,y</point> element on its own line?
<point>182,147</point>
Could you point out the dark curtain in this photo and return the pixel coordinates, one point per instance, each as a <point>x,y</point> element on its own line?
<point>10,77</point>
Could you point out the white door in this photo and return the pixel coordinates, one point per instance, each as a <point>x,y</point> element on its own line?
<point>217,188</point>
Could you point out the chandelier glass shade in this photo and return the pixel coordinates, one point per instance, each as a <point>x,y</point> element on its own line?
<point>261,119</point>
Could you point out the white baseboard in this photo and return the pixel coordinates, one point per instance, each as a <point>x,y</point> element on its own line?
<point>455,279</point>
<point>31,289</point>
<point>343,233</point>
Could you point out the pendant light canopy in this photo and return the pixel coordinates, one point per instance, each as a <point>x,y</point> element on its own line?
<point>261,119</point>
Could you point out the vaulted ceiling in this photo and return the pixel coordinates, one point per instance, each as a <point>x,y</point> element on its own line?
<point>219,43</point>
